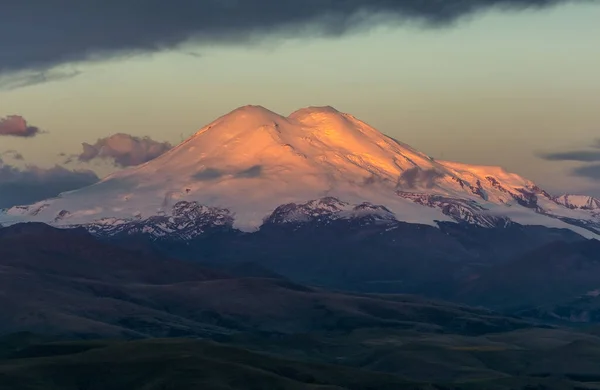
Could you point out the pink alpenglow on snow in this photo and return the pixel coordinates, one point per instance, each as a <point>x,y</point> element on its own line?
<point>252,161</point>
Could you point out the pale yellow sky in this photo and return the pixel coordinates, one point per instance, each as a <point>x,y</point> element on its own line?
<point>495,90</point>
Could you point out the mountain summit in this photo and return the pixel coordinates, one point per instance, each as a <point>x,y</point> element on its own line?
<point>246,165</point>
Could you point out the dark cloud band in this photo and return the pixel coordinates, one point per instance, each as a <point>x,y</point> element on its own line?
<point>591,156</point>
<point>43,33</point>
<point>588,171</point>
<point>27,185</point>
<point>575,155</point>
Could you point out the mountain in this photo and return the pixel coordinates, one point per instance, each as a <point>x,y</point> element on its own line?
<point>64,281</point>
<point>576,309</point>
<point>551,275</point>
<point>76,254</point>
<point>72,288</point>
<point>581,202</point>
<point>364,255</point>
<point>253,166</point>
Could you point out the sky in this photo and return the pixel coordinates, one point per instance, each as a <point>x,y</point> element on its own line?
<point>517,88</point>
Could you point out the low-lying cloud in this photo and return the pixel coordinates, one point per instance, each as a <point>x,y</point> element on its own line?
<point>12,154</point>
<point>17,126</point>
<point>417,177</point>
<point>208,174</point>
<point>30,184</point>
<point>123,150</point>
<point>40,34</point>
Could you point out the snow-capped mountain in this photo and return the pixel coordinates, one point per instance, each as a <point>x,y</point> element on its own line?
<point>253,166</point>
<point>581,202</point>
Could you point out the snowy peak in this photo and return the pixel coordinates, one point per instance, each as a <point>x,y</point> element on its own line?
<point>327,210</point>
<point>582,202</point>
<point>252,164</point>
<point>319,144</point>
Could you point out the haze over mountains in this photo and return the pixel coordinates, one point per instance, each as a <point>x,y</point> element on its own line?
<point>252,166</point>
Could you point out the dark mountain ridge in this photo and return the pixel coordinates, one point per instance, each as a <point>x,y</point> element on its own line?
<point>68,281</point>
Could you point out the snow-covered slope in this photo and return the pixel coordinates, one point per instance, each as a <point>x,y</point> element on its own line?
<point>582,202</point>
<point>245,165</point>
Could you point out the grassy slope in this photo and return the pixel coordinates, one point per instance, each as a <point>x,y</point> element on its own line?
<point>163,364</point>
<point>530,354</point>
<point>178,364</point>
